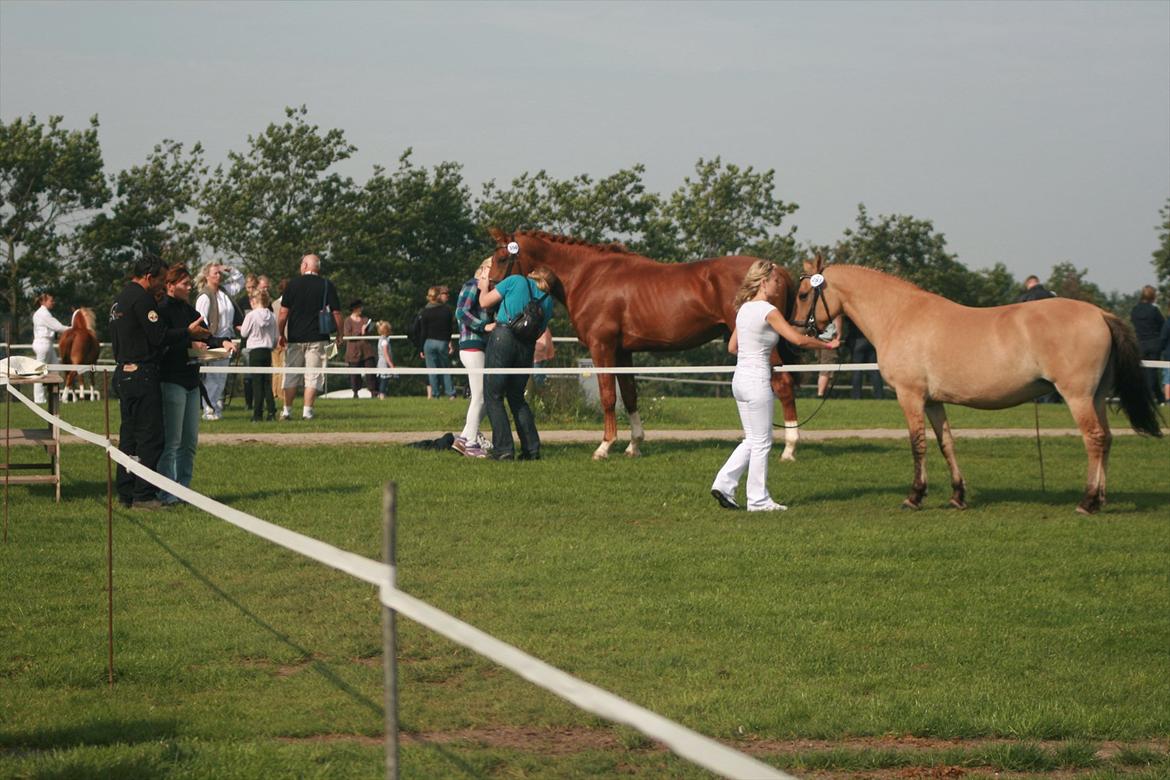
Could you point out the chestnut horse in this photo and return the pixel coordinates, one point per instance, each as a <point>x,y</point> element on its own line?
<point>934,351</point>
<point>79,346</point>
<point>620,303</point>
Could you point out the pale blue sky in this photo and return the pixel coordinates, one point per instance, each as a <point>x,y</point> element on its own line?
<point>1029,133</point>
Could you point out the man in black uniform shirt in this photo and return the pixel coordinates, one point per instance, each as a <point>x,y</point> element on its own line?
<point>139,337</point>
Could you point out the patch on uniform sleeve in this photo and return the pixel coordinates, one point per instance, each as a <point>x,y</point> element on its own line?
<point>152,315</point>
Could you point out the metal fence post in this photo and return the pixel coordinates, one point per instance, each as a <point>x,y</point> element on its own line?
<point>390,632</point>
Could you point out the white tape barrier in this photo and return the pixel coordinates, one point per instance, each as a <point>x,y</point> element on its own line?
<point>695,747</point>
<point>640,371</point>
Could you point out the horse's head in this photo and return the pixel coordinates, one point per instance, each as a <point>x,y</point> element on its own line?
<point>813,311</point>
<point>509,256</point>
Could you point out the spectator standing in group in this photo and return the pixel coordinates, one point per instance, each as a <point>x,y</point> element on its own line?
<point>758,328</point>
<point>385,358</point>
<point>1147,324</point>
<point>863,351</point>
<point>45,328</point>
<point>139,337</point>
<point>474,326</point>
<point>436,333</point>
<point>360,352</point>
<point>179,383</point>
<point>306,301</point>
<point>1164,345</point>
<point>505,350</point>
<point>243,304</point>
<point>1034,291</point>
<point>218,311</point>
<point>259,333</point>
<point>278,353</point>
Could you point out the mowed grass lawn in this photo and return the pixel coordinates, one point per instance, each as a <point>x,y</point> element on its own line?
<point>819,639</point>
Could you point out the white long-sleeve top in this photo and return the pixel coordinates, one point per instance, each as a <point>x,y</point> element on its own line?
<point>227,313</point>
<point>45,325</point>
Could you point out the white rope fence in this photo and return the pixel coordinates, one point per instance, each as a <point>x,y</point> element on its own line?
<point>697,748</point>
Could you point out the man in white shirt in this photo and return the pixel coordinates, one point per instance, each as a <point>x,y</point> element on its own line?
<point>219,313</point>
<point>45,329</point>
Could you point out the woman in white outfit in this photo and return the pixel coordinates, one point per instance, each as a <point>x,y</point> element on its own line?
<point>45,328</point>
<point>758,326</point>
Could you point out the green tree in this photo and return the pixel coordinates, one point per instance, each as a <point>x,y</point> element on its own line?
<point>909,248</point>
<point>726,210</point>
<point>148,215</point>
<point>993,286</point>
<point>1162,253</point>
<point>279,200</point>
<point>614,208</point>
<point>1069,282</point>
<point>49,178</point>
<point>407,230</point>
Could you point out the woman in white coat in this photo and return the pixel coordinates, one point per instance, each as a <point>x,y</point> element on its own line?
<point>45,329</point>
<point>758,326</point>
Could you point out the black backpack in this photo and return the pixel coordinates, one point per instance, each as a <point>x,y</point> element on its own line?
<point>529,323</point>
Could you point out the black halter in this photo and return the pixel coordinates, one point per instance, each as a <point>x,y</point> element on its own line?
<point>818,293</point>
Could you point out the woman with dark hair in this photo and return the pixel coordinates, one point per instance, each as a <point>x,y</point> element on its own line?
<point>359,350</point>
<point>505,349</point>
<point>758,326</point>
<point>179,381</point>
<point>1147,323</point>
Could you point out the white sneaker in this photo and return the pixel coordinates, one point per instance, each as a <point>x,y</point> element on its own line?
<point>284,415</point>
<point>307,414</point>
<point>483,442</point>
<point>771,506</point>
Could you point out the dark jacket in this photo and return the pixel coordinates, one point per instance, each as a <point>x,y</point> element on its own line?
<point>1038,293</point>
<point>175,366</point>
<point>1147,323</point>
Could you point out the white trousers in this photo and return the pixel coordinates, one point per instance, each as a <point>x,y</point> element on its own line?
<point>473,359</point>
<point>214,384</point>
<point>756,407</point>
<point>44,352</point>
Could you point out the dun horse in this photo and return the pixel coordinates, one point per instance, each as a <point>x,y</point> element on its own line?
<point>934,351</point>
<point>620,303</point>
<point>79,346</point>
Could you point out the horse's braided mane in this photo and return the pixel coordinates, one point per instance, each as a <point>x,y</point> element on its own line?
<point>613,246</point>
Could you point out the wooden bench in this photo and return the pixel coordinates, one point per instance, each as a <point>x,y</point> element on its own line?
<point>48,437</point>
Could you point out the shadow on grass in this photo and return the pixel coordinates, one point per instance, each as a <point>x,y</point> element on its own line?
<point>101,732</point>
<point>317,666</point>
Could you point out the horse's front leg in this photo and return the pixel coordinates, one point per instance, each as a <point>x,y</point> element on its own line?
<point>912,405</point>
<point>608,393</point>
<point>629,390</point>
<point>937,415</point>
<point>784,388</point>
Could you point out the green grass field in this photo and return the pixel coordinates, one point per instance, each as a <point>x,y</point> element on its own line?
<point>843,638</point>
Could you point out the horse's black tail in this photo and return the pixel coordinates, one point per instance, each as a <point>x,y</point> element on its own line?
<point>1129,382</point>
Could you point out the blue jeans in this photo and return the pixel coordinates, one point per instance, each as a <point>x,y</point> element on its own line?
<point>435,352</point>
<point>180,435</point>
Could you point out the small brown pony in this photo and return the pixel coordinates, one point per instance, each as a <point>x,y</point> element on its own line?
<point>934,351</point>
<point>620,303</point>
<point>79,346</point>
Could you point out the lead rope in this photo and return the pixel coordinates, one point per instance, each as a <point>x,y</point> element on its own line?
<point>1039,450</point>
<point>824,398</point>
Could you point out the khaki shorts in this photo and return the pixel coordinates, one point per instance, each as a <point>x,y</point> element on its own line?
<point>306,354</point>
<point>827,357</point>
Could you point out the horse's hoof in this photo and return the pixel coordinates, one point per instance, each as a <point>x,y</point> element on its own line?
<point>908,504</point>
<point>601,456</point>
<point>632,453</point>
<point>1086,510</point>
<point>788,456</point>
<point>958,504</point>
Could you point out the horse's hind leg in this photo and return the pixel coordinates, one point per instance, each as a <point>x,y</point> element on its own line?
<point>782,388</point>
<point>1091,418</point>
<point>937,414</point>
<point>912,405</point>
<point>629,391</point>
